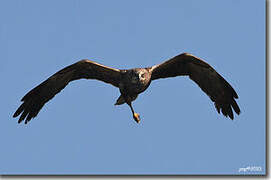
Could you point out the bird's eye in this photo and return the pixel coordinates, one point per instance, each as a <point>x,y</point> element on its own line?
<point>142,75</point>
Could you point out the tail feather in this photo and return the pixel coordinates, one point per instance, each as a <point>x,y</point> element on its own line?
<point>120,100</point>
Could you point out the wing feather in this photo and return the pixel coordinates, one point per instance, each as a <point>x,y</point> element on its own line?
<point>212,83</point>
<point>35,99</point>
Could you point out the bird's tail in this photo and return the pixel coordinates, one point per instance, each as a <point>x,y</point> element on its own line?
<point>121,100</point>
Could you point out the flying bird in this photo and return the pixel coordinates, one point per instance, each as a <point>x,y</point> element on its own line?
<point>132,82</point>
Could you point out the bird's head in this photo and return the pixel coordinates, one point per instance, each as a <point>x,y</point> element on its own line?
<point>139,75</point>
<point>142,75</point>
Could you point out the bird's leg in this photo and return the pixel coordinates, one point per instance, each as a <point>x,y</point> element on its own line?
<point>135,115</point>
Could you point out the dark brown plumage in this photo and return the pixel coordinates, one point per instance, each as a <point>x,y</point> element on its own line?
<point>132,82</point>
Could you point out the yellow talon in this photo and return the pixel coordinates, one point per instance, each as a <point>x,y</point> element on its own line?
<point>136,117</point>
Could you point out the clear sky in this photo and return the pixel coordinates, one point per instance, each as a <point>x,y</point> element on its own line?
<point>80,131</point>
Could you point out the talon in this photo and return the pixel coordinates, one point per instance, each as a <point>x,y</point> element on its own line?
<point>136,117</point>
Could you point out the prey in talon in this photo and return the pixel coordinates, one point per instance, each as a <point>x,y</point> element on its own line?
<point>132,82</point>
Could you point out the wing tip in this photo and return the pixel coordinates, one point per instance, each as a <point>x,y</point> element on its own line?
<point>15,115</point>
<point>25,119</point>
<point>227,109</point>
<point>19,110</point>
<point>26,113</point>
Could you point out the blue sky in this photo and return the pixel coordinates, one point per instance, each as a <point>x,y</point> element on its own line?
<point>80,131</point>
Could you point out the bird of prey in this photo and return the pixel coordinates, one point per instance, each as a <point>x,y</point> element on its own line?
<point>132,82</point>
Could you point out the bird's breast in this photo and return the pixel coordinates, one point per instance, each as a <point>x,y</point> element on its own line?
<point>138,87</point>
<point>132,83</point>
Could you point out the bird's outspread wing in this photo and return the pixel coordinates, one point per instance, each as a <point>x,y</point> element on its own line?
<point>34,100</point>
<point>212,83</point>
